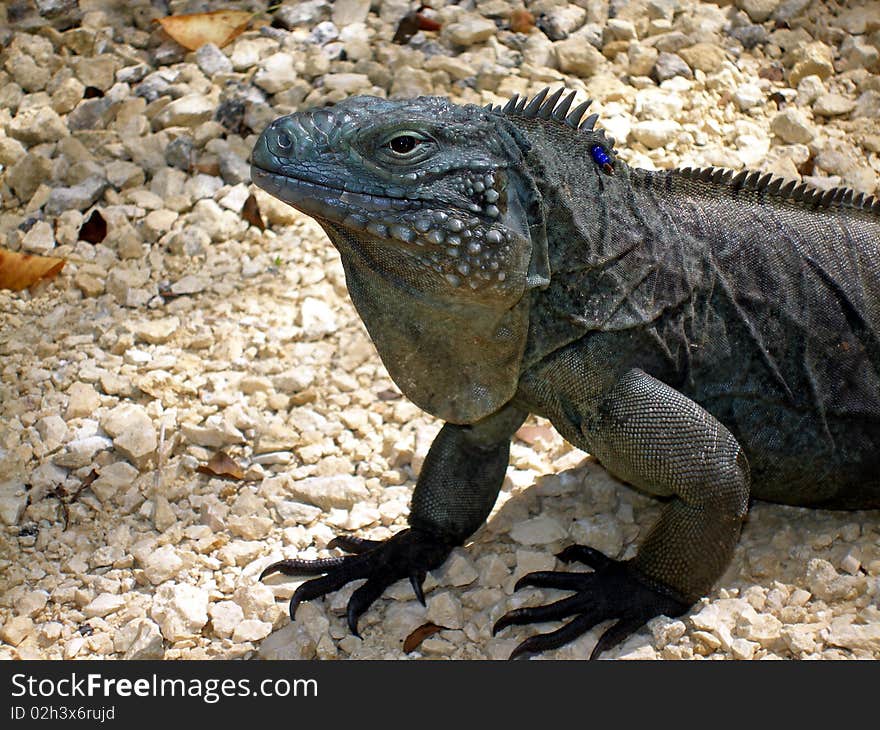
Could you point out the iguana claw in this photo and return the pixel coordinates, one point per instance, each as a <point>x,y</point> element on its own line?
<point>612,591</point>
<point>408,554</point>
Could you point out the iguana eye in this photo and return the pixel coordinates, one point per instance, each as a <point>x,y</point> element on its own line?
<point>403,145</point>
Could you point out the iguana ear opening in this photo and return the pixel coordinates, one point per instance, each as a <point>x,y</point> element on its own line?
<point>524,207</point>
<point>524,216</point>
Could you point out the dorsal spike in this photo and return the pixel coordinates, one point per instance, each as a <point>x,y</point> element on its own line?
<point>511,104</point>
<point>520,105</point>
<point>775,184</point>
<point>829,196</point>
<point>788,187</point>
<point>549,105</point>
<point>848,198</point>
<point>719,175</point>
<point>562,108</point>
<point>799,191</point>
<point>739,180</point>
<point>535,104</point>
<point>859,200</point>
<point>590,122</point>
<point>573,120</point>
<point>764,180</point>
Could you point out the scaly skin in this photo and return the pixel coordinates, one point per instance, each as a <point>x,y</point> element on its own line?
<point>709,338</point>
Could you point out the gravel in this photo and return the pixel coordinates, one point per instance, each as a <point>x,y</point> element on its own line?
<point>188,331</point>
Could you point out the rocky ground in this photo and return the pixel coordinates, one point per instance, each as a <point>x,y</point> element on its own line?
<point>184,331</point>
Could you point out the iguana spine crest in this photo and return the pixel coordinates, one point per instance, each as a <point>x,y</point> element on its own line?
<point>547,106</point>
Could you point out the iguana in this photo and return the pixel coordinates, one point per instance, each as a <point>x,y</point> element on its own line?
<point>708,336</point>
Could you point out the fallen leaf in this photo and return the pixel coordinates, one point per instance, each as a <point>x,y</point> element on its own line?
<point>196,29</point>
<point>412,642</point>
<point>406,29</point>
<point>388,394</point>
<point>426,23</point>
<point>412,23</point>
<point>22,270</point>
<point>94,228</point>
<point>251,212</point>
<point>521,21</point>
<point>221,465</point>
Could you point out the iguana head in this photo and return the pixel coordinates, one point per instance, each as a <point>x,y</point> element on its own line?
<point>440,227</point>
<point>429,193</point>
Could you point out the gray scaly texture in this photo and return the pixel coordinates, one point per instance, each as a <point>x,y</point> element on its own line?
<point>708,336</point>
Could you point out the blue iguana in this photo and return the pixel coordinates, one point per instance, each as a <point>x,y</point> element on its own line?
<point>708,336</point>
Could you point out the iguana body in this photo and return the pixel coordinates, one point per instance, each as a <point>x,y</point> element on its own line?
<point>708,337</point>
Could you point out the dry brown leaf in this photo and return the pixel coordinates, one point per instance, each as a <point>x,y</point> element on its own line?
<point>251,212</point>
<point>412,642</point>
<point>222,465</point>
<point>22,270</point>
<point>195,30</point>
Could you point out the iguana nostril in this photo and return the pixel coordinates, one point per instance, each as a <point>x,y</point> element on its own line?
<point>283,141</point>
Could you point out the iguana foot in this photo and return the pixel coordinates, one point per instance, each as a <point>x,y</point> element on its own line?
<point>612,591</point>
<point>408,554</point>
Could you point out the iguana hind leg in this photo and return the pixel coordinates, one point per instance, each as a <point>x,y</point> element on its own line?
<point>659,440</point>
<point>456,489</point>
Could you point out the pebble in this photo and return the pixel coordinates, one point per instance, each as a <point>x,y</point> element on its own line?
<point>211,60</point>
<point>40,239</point>
<point>445,610</point>
<point>791,126</point>
<point>180,610</point>
<point>103,604</point>
<point>469,30</point>
<point>132,430</point>
<point>75,197</point>
<point>656,133</point>
<point>538,531</point>
<point>225,617</point>
<point>832,105</point>
<point>338,491</point>
<point>16,629</point>
<point>575,55</point>
<point>162,564</point>
<point>251,630</point>
<point>140,639</point>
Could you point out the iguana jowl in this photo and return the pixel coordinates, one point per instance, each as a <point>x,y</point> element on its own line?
<point>708,336</point>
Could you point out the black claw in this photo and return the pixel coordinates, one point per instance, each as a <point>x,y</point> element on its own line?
<point>590,557</point>
<point>555,639</point>
<point>552,579</point>
<point>352,544</point>
<point>536,614</point>
<point>363,598</point>
<point>416,580</point>
<point>302,567</point>
<point>614,635</point>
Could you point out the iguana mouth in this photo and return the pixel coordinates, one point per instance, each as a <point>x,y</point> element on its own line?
<point>325,201</point>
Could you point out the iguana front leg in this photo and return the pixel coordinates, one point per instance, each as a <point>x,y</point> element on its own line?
<point>457,487</point>
<point>659,440</point>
